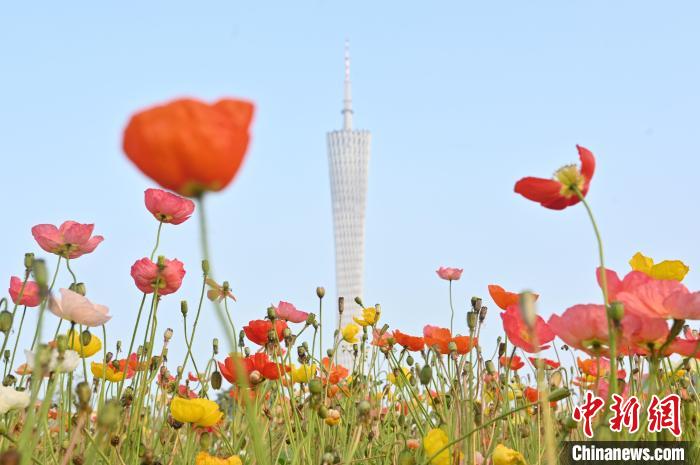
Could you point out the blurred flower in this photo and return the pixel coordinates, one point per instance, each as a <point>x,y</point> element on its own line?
<point>333,373</point>
<point>201,412</point>
<point>643,336</point>
<point>560,192</point>
<point>75,342</point>
<point>303,373</point>
<point>289,312</point>
<point>108,371</point>
<point>514,363</point>
<point>520,335</point>
<point>412,343</point>
<point>505,456</point>
<point>584,327</point>
<point>434,441</point>
<point>78,309</point>
<point>597,367</point>
<point>258,330</point>
<point>668,269</point>
<point>397,378</point>
<point>333,417</point>
<point>546,361</point>
<point>12,399</point>
<point>167,207</point>
<point>149,276</point>
<point>381,338</point>
<point>189,146</point>
<point>70,240</point>
<point>204,458</point>
<point>30,292</point>
<point>217,293</point>
<point>503,298</point>
<point>67,364</point>
<point>370,316</point>
<point>449,274</point>
<point>349,333</point>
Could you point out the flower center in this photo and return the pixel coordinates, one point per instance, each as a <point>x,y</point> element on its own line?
<point>571,180</point>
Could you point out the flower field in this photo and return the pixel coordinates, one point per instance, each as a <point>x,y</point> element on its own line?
<point>272,391</point>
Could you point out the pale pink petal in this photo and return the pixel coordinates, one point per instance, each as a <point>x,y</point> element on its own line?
<point>47,236</point>
<point>76,233</point>
<point>683,305</point>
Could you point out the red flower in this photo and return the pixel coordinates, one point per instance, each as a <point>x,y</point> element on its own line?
<point>449,274</point>
<point>259,362</point>
<point>30,292</point>
<point>336,373</point>
<point>257,330</point>
<point>515,363</point>
<point>412,343</point>
<point>523,337</point>
<point>189,146</point>
<point>560,192</point>
<point>167,207</point>
<point>70,240</point>
<point>440,339</point>
<point>464,344</point>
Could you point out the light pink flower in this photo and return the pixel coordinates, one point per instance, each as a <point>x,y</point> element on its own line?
<point>70,240</point>
<point>148,276</point>
<point>658,299</point>
<point>449,274</point>
<point>78,309</point>
<point>683,306</point>
<point>289,312</point>
<point>617,285</point>
<point>30,293</point>
<point>520,335</point>
<point>167,207</point>
<point>641,335</point>
<point>584,327</point>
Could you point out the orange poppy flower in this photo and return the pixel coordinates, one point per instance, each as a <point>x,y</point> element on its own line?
<point>515,363</point>
<point>189,146</point>
<point>440,339</point>
<point>503,298</point>
<point>336,373</point>
<point>412,343</point>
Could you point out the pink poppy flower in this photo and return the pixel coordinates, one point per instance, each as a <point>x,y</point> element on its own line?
<point>684,348</point>
<point>30,293</point>
<point>78,309</point>
<point>583,327</point>
<point>616,285</point>
<point>683,306</point>
<point>167,207</point>
<point>148,276</point>
<point>449,274</point>
<point>521,336</point>
<point>659,299</point>
<point>642,336</point>
<point>289,312</point>
<point>70,240</point>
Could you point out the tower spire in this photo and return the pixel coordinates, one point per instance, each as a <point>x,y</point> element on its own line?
<point>347,91</point>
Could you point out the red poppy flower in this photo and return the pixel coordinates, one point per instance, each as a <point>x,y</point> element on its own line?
<point>521,335</point>
<point>503,298</point>
<point>189,146</point>
<point>257,330</point>
<point>440,339</point>
<point>412,343</point>
<point>336,373</point>
<point>259,362</point>
<point>515,362</point>
<point>560,192</point>
<point>464,344</point>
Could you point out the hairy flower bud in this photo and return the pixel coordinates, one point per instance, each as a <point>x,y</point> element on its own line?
<point>28,260</point>
<point>320,292</point>
<point>425,375</point>
<point>205,267</point>
<point>5,321</point>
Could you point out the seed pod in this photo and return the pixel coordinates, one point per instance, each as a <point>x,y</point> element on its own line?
<point>215,380</point>
<point>320,292</point>
<point>28,260</point>
<point>322,412</point>
<point>471,320</point>
<point>425,375</point>
<point>315,386</point>
<point>183,307</point>
<point>409,361</point>
<point>5,321</point>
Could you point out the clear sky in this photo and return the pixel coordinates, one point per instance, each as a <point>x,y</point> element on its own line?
<point>462,99</point>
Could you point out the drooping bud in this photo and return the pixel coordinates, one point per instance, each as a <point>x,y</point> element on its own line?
<point>409,361</point>
<point>358,301</point>
<point>215,380</point>
<point>205,441</point>
<point>315,386</point>
<point>559,394</point>
<point>482,313</point>
<point>363,407</point>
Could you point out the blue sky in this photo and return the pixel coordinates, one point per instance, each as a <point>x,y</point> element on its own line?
<point>462,100</point>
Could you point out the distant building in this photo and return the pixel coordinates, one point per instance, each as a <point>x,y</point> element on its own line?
<point>348,160</point>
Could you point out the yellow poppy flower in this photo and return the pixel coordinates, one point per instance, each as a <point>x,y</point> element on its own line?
<point>504,456</point>
<point>399,380</point>
<point>203,458</point>
<point>303,373</point>
<point>75,343</point>
<point>370,316</point>
<point>349,333</point>
<point>435,440</point>
<point>112,374</point>
<point>201,412</point>
<point>668,269</point>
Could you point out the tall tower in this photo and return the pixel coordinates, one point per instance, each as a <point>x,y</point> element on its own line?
<point>348,160</point>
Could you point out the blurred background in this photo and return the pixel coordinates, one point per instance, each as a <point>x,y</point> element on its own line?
<point>462,100</point>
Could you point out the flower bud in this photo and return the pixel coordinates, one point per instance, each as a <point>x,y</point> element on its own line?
<point>205,267</point>
<point>215,380</point>
<point>320,292</point>
<point>9,380</point>
<point>5,321</point>
<point>85,338</point>
<point>28,260</point>
<point>183,307</point>
<point>409,361</point>
<point>501,349</point>
<point>358,301</point>
<point>205,441</point>
<point>363,407</point>
<point>490,368</point>
<point>482,314</point>
<point>311,319</point>
<point>161,262</point>
<point>315,386</point>
<point>527,309</point>
<point>559,394</point>
<point>109,415</point>
<point>168,335</point>
<point>471,320</point>
<point>271,313</point>
<point>80,289</point>
<point>119,346</point>
<point>476,303</point>
<point>83,391</point>
<point>341,305</point>
<point>406,458</point>
<point>322,412</point>
<point>425,375</point>
<point>6,355</point>
<point>40,273</point>
<point>215,345</point>
<point>616,311</point>
<point>452,346</point>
